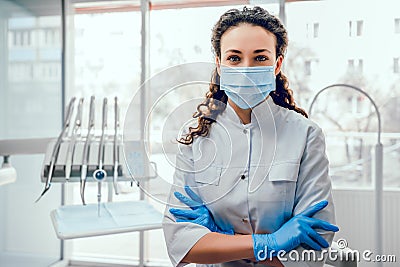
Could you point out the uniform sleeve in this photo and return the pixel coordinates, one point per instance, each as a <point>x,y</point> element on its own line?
<point>313,185</point>
<point>181,237</point>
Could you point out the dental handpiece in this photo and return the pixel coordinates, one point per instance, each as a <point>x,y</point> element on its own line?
<point>100,174</point>
<point>71,147</point>
<point>85,156</point>
<point>56,148</point>
<point>116,150</point>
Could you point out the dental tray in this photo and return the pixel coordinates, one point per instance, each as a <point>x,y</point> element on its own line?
<point>78,221</point>
<point>134,158</point>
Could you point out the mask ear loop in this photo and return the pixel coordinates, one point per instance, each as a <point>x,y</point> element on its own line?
<point>276,64</point>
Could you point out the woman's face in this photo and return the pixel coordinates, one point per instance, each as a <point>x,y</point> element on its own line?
<point>247,45</point>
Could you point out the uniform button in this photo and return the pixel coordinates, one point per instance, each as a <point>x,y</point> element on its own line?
<point>243,177</point>
<point>245,131</point>
<point>245,220</point>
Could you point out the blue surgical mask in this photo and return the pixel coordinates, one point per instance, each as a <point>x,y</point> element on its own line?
<point>247,86</point>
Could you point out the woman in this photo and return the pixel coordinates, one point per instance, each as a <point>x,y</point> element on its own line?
<point>254,169</point>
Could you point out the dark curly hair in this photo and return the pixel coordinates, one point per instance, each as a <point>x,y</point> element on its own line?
<point>216,99</point>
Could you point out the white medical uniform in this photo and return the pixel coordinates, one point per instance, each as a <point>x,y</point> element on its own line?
<point>253,178</point>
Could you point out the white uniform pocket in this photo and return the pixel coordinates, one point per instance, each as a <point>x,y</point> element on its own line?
<point>210,176</point>
<point>285,171</point>
<point>282,180</point>
<point>276,196</point>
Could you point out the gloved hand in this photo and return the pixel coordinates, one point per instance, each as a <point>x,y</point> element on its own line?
<point>299,229</point>
<point>198,214</point>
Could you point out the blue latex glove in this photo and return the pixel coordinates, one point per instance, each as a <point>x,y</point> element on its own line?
<point>298,230</point>
<point>199,214</point>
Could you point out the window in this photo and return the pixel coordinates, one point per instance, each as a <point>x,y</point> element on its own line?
<point>21,38</point>
<point>51,37</point>
<point>355,65</point>
<point>359,27</point>
<point>350,25</point>
<point>312,30</point>
<point>397,25</point>
<point>31,108</point>
<point>316,30</point>
<point>307,67</point>
<point>396,68</point>
<point>310,66</point>
<point>105,62</point>
<point>350,64</point>
<point>48,71</point>
<point>20,72</point>
<point>356,28</point>
<point>360,66</point>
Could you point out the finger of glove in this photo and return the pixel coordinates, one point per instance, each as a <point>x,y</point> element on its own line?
<point>183,220</point>
<point>203,222</point>
<point>305,246</point>
<point>318,238</point>
<point>189,202</point>
<point>320,224</point>
<point>310,211</point>
<point>308,241</point>
<point>192,194</point>
<point>189,214</point>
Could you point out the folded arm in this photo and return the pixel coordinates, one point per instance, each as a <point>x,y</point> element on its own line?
<point>216,247</point>
<point>221,246</point>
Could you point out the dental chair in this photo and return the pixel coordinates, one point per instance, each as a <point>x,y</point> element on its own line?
<point>345,257</point>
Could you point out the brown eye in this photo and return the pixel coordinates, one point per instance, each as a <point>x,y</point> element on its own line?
<point>233,58</point>
<point>261,58</point>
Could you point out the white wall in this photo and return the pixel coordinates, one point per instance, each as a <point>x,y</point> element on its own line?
<point>28,109</point>
<point>26,232</point>
<point>355,216</point>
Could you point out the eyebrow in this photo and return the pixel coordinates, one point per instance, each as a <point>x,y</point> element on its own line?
<point>233,50</point>
<point>261,50</point>
<point>255,51</point>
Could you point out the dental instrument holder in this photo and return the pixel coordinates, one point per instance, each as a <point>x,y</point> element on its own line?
<point>92,156</point>
<point>134,157</point>
<point>60,166</point>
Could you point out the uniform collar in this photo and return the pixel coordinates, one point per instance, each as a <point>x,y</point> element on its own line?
<point>263,111</point>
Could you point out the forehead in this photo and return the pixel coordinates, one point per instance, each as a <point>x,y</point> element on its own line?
<point>247,37</point>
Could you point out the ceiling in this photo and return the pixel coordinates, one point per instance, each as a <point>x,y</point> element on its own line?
<point>53,7</point>
<point>36,7</point>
